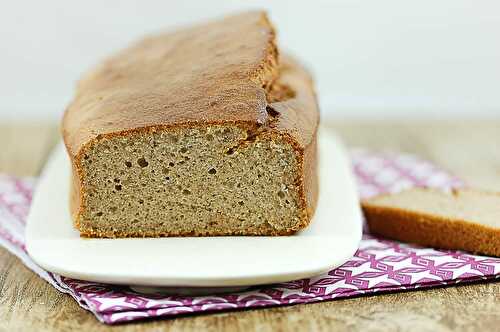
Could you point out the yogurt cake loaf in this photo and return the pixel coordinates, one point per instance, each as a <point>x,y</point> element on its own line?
<point>202,131</point>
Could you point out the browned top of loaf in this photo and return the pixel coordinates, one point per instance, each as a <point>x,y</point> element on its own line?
<point>217,72</point>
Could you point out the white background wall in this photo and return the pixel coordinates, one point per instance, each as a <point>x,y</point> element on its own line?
<point>377,59</point>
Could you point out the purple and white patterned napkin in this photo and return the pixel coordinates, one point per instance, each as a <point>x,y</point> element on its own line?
<point>378,266</point>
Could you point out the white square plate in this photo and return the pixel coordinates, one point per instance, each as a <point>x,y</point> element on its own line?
<point>331,239</point>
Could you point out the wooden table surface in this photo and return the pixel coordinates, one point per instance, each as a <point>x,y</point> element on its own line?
<point>471,149</point>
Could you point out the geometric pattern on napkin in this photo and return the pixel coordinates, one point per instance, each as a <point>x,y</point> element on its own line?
<point>378,266</point>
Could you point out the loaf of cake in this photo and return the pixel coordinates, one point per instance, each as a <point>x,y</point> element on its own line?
<point>202,131</point>
<point>462,219</point>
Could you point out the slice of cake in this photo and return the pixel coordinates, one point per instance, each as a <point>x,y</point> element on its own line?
<point>201,131</point>
<point>463,219</point>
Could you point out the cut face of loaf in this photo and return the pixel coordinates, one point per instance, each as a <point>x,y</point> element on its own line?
<point>191,181</point>
<point>201,131</point>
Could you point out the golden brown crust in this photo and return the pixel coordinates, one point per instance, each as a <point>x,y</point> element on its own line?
<point>213,73</point>
<point>431,230</point>
<point>261,231</point>
<point>223,72</point>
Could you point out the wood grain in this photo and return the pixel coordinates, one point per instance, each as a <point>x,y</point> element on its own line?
<point>467,148</point>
